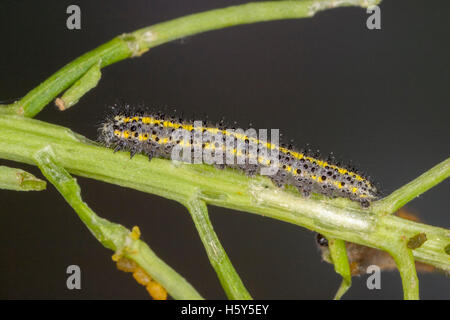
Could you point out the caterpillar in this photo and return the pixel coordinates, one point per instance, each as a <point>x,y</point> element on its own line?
<point>160,135</point>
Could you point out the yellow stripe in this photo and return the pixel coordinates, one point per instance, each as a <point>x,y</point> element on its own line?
<point>242,137</point>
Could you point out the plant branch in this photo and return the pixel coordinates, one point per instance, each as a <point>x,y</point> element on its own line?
<point>338,254</point>
<point>88,81</point>
<point>406,266</point>
<point>111,235</point>
<point>19,180</point>
<point>136,43</point>
<point>231,283</point>
<point>21,138</point>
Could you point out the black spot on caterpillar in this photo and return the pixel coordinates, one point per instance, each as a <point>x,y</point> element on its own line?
<point>153,134</point>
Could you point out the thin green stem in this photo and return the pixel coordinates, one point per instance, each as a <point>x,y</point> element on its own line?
<point>111,235</point>
<point>136,43</point>
<point>19,180</point>
<point>33,102</point>
<point>228,277</point>
<point>176,285</point>
<point>21,138</point>
<point>406,266</point>
<point>408,192</point>
<point>338,254</point>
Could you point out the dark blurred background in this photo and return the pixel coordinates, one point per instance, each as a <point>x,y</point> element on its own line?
<point>377,97</point>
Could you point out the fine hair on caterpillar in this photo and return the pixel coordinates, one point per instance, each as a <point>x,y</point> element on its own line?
<point>169,137</point>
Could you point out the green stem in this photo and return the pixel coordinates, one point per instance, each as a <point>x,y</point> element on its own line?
<point>21,138</point>
<point>232,284</point>
<point>111,235</point>
<point>136,43</point>
<point>406,266</point>
<point>33,102</point>
<point>27,142</point>
<point>88,81</point>
<point>408,192</point>
<point>338,254</point>
<point>19,180</point>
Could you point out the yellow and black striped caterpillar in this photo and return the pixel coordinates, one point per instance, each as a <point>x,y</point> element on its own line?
<point>159,135</point>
